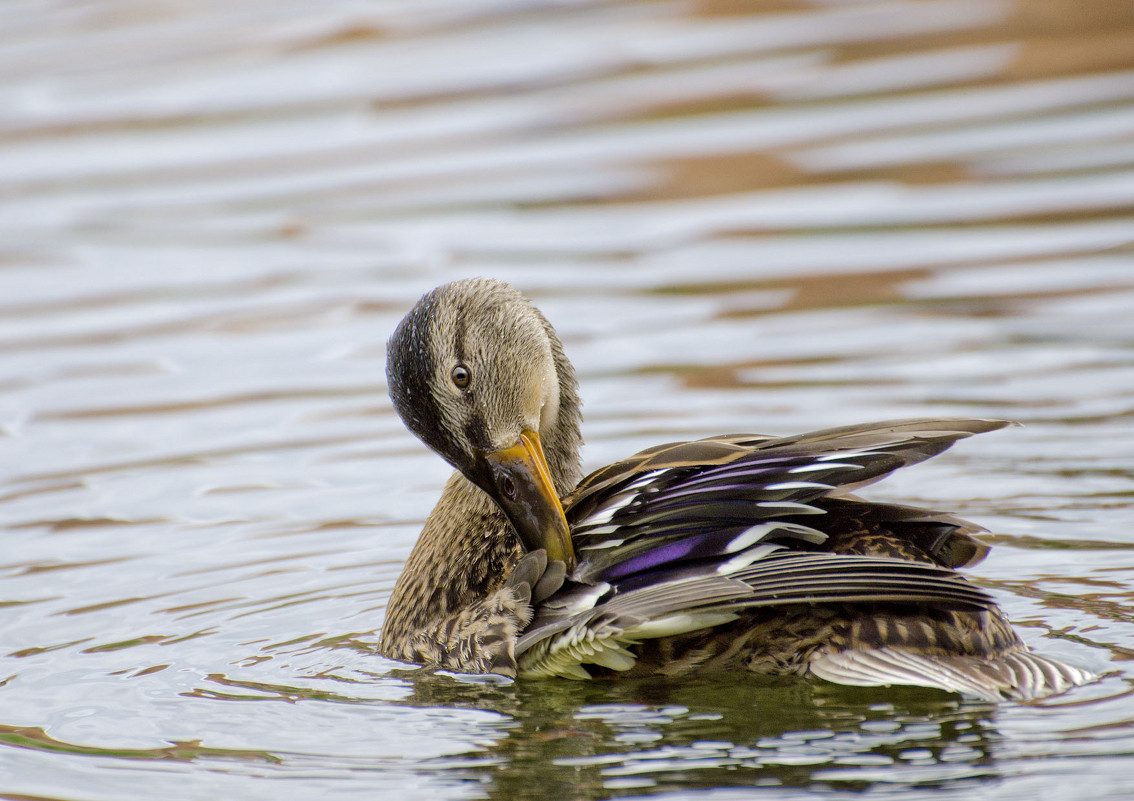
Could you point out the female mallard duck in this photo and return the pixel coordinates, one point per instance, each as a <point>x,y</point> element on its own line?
<point>740,551</point>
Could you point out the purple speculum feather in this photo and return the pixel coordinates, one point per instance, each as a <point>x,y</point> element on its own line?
<point>651,559</point>
<point>706,544</point>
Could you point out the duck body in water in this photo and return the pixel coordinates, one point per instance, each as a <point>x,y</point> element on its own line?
<point>733,552</point>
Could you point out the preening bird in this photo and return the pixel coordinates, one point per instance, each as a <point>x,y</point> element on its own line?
<point>737,552</point>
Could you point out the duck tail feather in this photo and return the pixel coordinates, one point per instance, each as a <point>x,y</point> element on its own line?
<point>1016,676</point>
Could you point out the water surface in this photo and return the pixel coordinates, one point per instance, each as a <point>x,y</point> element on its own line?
<point>740,216</point>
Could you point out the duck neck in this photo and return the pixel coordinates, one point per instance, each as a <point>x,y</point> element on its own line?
<point>467,548</point>
<point>561,436</point>
<point>465,551</point>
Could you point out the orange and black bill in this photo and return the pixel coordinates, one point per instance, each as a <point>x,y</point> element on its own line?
<point>521,485</point>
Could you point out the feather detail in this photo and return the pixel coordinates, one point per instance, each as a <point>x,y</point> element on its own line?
<point>636,512</point>
<point>605,646</point>
<point>740,551</point>
<point>1019,675</point>
<point>692,536</point>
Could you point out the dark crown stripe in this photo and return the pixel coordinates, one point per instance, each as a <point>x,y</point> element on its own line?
<point>410,364</point>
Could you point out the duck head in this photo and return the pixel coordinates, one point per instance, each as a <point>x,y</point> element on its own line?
<point>477,373</point>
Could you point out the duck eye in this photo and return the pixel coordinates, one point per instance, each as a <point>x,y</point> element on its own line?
<point>461,376</point>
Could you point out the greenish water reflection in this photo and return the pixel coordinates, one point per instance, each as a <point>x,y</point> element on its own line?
<point>596,740</point>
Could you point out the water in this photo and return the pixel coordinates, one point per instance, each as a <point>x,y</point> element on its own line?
<point>740,216</point>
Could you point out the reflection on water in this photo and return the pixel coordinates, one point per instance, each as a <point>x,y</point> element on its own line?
<point>637,735</point>
<point>739,215</point>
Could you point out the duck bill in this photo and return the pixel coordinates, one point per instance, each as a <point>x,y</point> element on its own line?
<point>521,485</point>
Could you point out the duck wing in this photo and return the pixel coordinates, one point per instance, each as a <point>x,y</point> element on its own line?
<point>694,498</point>
<point>686,536</point>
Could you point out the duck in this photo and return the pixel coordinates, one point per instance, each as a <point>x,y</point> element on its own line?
<point>740,552</point>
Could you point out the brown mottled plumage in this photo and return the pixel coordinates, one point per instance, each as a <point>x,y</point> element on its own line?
<point>734,552</point>
<point>452,593</point>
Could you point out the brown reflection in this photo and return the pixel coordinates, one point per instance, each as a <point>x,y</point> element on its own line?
<point>31,568</point>
<point>313,443</point>
<point>236,690</point>
<point>717,174</point>
<point>1058,37</point>
<point>728,173</point>
<point>734,8</point>
<point>35,738</point>
<point>580,740</point>
<point>1068,36</point>
<point>222,401</point>
<point>1049,39</point>
<point>805,292</point>
<point>281,317</point>
<point>1099,49</point>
